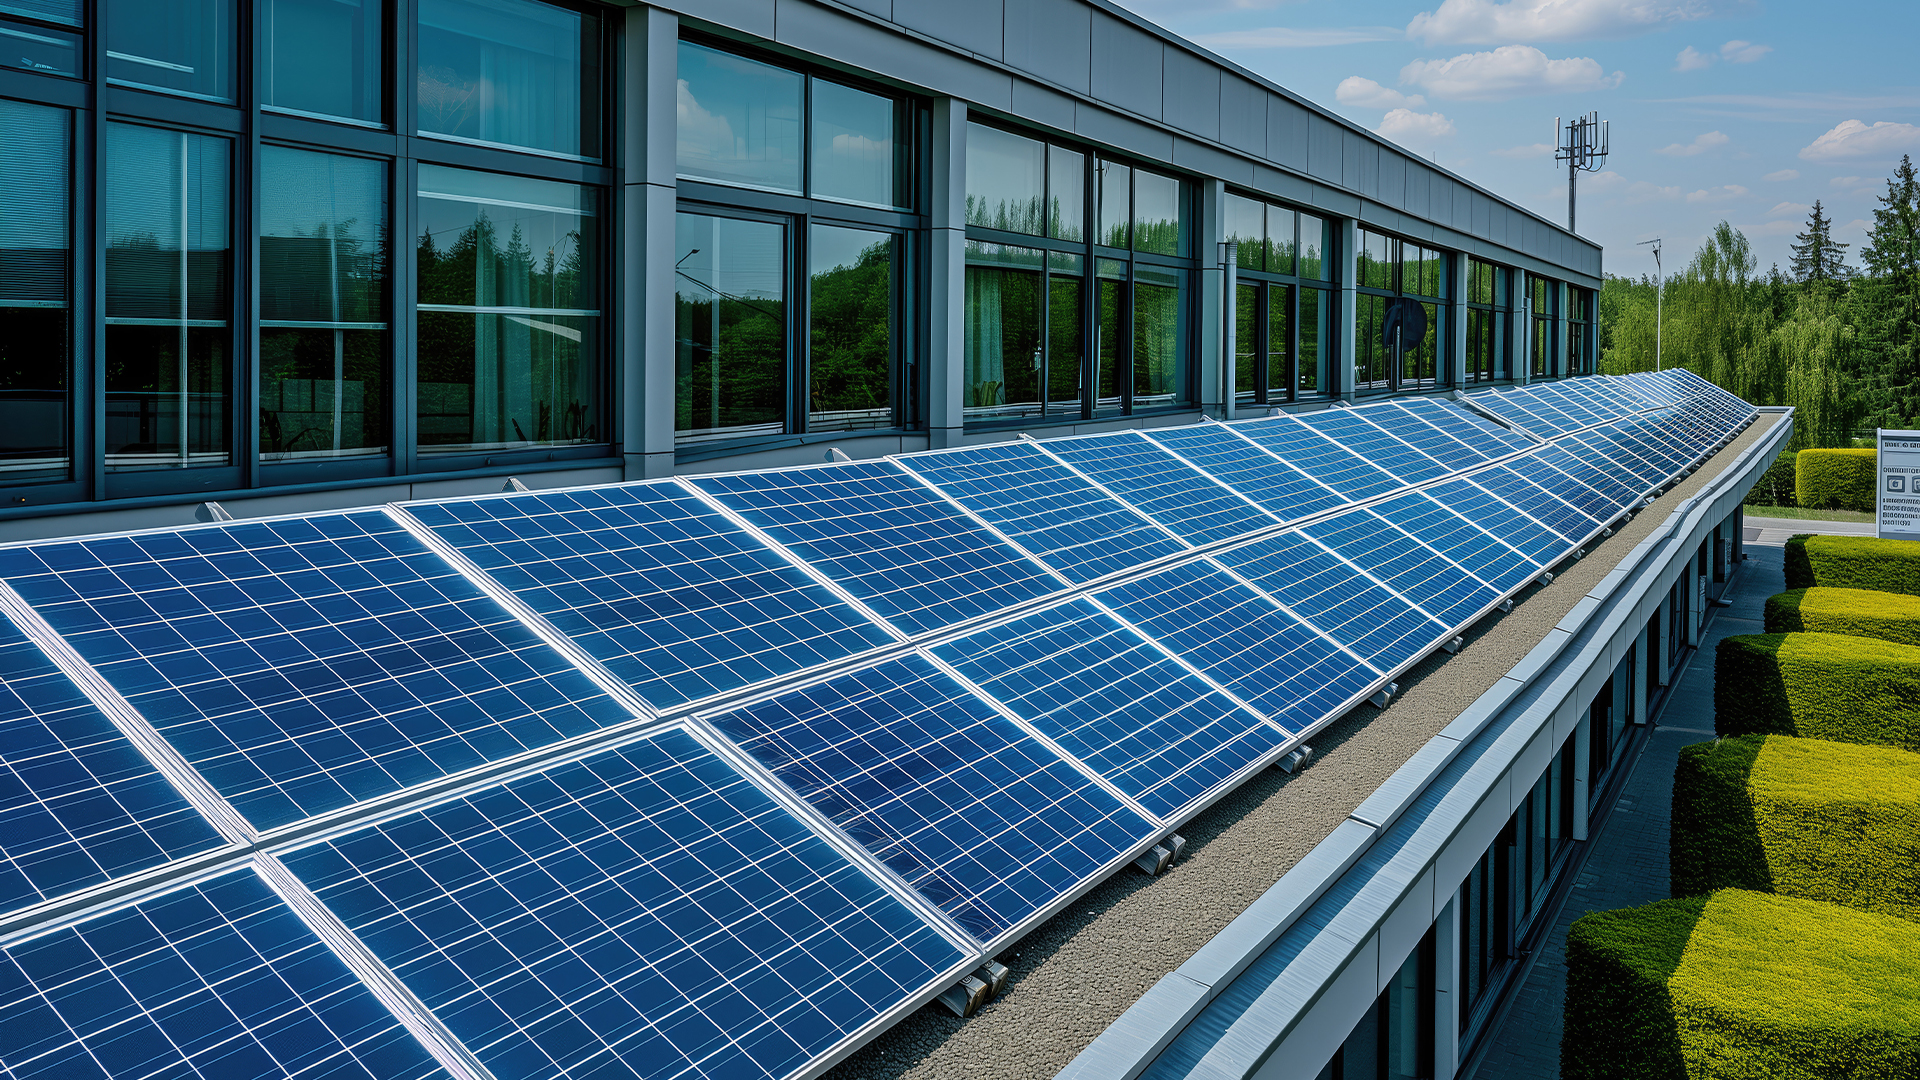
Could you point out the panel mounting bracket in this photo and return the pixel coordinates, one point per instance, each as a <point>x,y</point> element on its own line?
<point>1453,646</point>
<point>965,997</point>
<point>1385,696</point>
<point>1162,855</point>
<point>1507,604</point>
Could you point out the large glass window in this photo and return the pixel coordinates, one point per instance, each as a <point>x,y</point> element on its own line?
<point>323,306</point>
<point>1489,316</point>
<point>35,252</point>
<point>1580,352</point>
<point>36,46</point>
<point>175,46</point>
<point>509,312</point>
<point>730,327</point>
<point>858,153</point>
<point>1159,337</point>
<point>168,380</point>
<point>510,73</point>
<point>1543,306</point>
<point>1278,308</point>
<point>853,327</point>
<point>1006,180</point>
<point>322,58</point>
<point>1400,317</point>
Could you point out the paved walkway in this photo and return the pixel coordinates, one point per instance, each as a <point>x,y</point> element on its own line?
<point>1765,530</point>
<point>1628,863</point>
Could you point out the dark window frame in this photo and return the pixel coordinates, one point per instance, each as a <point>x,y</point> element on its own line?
<point>1267,282</point>
<point>1395,357</point>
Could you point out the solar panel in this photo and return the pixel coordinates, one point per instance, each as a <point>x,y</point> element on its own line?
<point>658,586</point>
<point>1536,412</point>
<point>1285,491</point>
<point>1460,540</point>
<point>1111,699</point>
<point>1320,457</point>
<point>1336,597</point>
<point>1403,565</point>
<point>302,665</point>
<point>1467,426</point>
<point>1245,641</point>
<point>1510,410</point>
<point>1046,508</point>
<point>1540,543</point>
<point>646,911</point>
<point>893,544</point>
<point>1628,456</point>
<point>78,804</point>
<point>218,979</point>
<point>1569,404</point>
<point>1572,484</point>
<point>1436,443</point>
<point>1544,506</point>
<point>1378,446</point>
<point>970,809</point>
<point>1166,489</point>
<point>1600,470</point>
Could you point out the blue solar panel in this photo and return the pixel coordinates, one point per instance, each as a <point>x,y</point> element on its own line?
<point>1319,457</point>
<point>302,665</point>
<point>1509,410</point>
<point>1162,486</point>
<point>1467,426</point>
<point>1596,398</point>
<point>1537,502</point>
<point>655,584</point>
<point>1535,412</point>
<point>1459,540</point>
<point>972,811</point>
<point>78,804</point>
<point>645,911</point>
<point>1111,699</point>
<point>1285,491</point>
<point>1618,446</point>
<point>220,979</point>
<point>1245,641</point>
<point>1046,508</point>
<point>1647,437</point>
<point>1599,470</point>
<point>1377,445</point>
<point>1436,443</point>
<point>1569,404</point>
<point>1573,484</point>
<point>1333,596</point>
<point>1541,544</point>
<point>885,538</point>
<point>1394,557</point>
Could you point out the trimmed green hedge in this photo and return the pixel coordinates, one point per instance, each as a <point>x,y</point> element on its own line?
<point>1818,686</point>
<point>1742,986</point>
<point>1859,612</point>
<point>1799,817</point>
<point>1853,562</point>
<point>1836,479</point>
<point>1775,486</point>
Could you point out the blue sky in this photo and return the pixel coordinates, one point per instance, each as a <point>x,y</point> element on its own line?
<point>1721,109</point>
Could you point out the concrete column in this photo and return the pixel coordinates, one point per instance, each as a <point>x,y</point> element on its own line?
<point>947,282</point>
<point>1214,393</point>
<point>645,377</point>
<point>1343,372</point>
<point>1446,985</point>
<point>1456,374</point>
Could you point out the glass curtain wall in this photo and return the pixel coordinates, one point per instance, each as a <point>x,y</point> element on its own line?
<point>1543,309</point>
<point>509,73</point>
<point>36,235</point>
<point>183,47</point>
<point>1609,717</point>
<point>1489,319</point>
<point>792,251</point>
<point>1280,314</point>
<point>38,36</point>
<point>1147,286</point>
<point>1401,318</point>
<point>322,58</point>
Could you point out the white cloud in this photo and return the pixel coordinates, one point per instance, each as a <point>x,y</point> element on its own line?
<point>1701,144</point>
<point>1847,181</point>
<point>1783,174</point>
<point>1367,94</point>
<point>1773,228</point>
<point>1691,59</point>
<point>1506,72</point>
<point>1855,185</point>
<point>1405,125</point>
<point>1530,150</point>
<point>703,135</point>
<point>1642,191</point>
<point>1743,52</point>
<point>1792,209</point>
<point>1490,22</point>
<point>1607,180</point>
<point>1288,37</point>
<point>1853,139</point>
<point>1717,194</point>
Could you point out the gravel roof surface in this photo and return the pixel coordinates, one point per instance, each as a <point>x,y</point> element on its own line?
<point>1076,974</point>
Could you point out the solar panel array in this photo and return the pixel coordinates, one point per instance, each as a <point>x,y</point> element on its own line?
<point>714,777</point>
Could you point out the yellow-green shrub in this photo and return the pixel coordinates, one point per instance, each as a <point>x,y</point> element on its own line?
<point>1853,562</point>
<point>1859,612</point>
<point>1800,817</point>
<point>1835,479</point>
<point>1741,986</point>
<point>1818,686</point>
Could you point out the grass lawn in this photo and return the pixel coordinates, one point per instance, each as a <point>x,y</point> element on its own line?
<point>1798,514</point>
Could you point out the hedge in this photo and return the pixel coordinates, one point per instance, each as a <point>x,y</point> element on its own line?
<point>1741,986</point>
<point>1853,562</point>
<point>1835,479</point>
<point>1859,612</point>
<point>1800,817</point>
<point>1818,686</point>
<point>1775,486</point>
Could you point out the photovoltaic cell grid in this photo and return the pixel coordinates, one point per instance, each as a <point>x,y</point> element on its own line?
<point>1336,597</point>
<point>1163,487</point>
<point>1319,456</point>
<point>1284,491</point>
<point>1355,432</point>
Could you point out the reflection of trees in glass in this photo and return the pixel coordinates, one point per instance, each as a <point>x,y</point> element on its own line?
<point>446,99</point>
<point>1308,357</point>
<point>1156,341</point>
<point>732,358</point>
<point>1246,341</point>
<point>1112,343</point>
<point>1063,342</point>
<point>1009,215</point>
<point>1003,334</point>
<point>851,363</point>
<point>1279,339</point>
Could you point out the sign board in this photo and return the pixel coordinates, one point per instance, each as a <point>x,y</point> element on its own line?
<point>1897,504</point>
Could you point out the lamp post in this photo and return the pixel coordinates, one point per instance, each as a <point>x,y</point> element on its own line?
<point>1659,297</point>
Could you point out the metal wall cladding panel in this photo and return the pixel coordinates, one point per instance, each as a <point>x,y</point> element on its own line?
<point>1537,502</point>
<point>1245,641</point>
<point>302,665</point>
<point>218,979</point>
<point>1160,485</point>
<point>1127,68</point>
<point>645,911</point>
<point>974,27</point>
<point>1111,699</point>
<point>1046,508</point>
<point>1538,542</point>
<point>1582,484</point>
<point>1400,563</point>
<point>661,588</point>
<point>1052,39</point>
<point>1288,132</point>
<point>1192,90</point>
<point>957,799</point>
<point>1392,183</point>
<point>1283,490</point>
<point>1376,444</point>
<point>1325,150</point>
<point>1460,540</point>
<point>881,535</point>
<point>79,805</point>
<point>1410,426</point>
<point>1467,426</point>
<point>1243,114</point>
<point>1319,456</point>
<point>1336,598</point>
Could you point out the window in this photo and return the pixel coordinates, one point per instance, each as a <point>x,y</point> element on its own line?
<point>730,327</point>
<point>1489,319</point>
<point>35,270</point>
<point>1541,830</point>
<point>322,58</point>
<point>509,312</point>
<point>1609,714</point>
<point>1543,307</point>
<point>1580,341</point>
<point>168,382</point>
<point>517,74</point>
<point>42,44</point>
<point>1279,313</point>
<point>1023,332</point>
<point>853,327</point>
<point>1400,317</point>
<point>173,46</point>
<point>1142,332</point>
<point>1485,946</point>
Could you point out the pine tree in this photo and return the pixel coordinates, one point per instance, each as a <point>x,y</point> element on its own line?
<point>1816,257</point>
<point>1892,255</point>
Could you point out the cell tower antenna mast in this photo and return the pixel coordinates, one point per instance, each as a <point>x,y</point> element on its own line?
<point>1583,145</point>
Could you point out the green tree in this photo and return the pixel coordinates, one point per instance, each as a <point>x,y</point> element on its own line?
<point>1891,300</point>
<point>1816,255</point>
